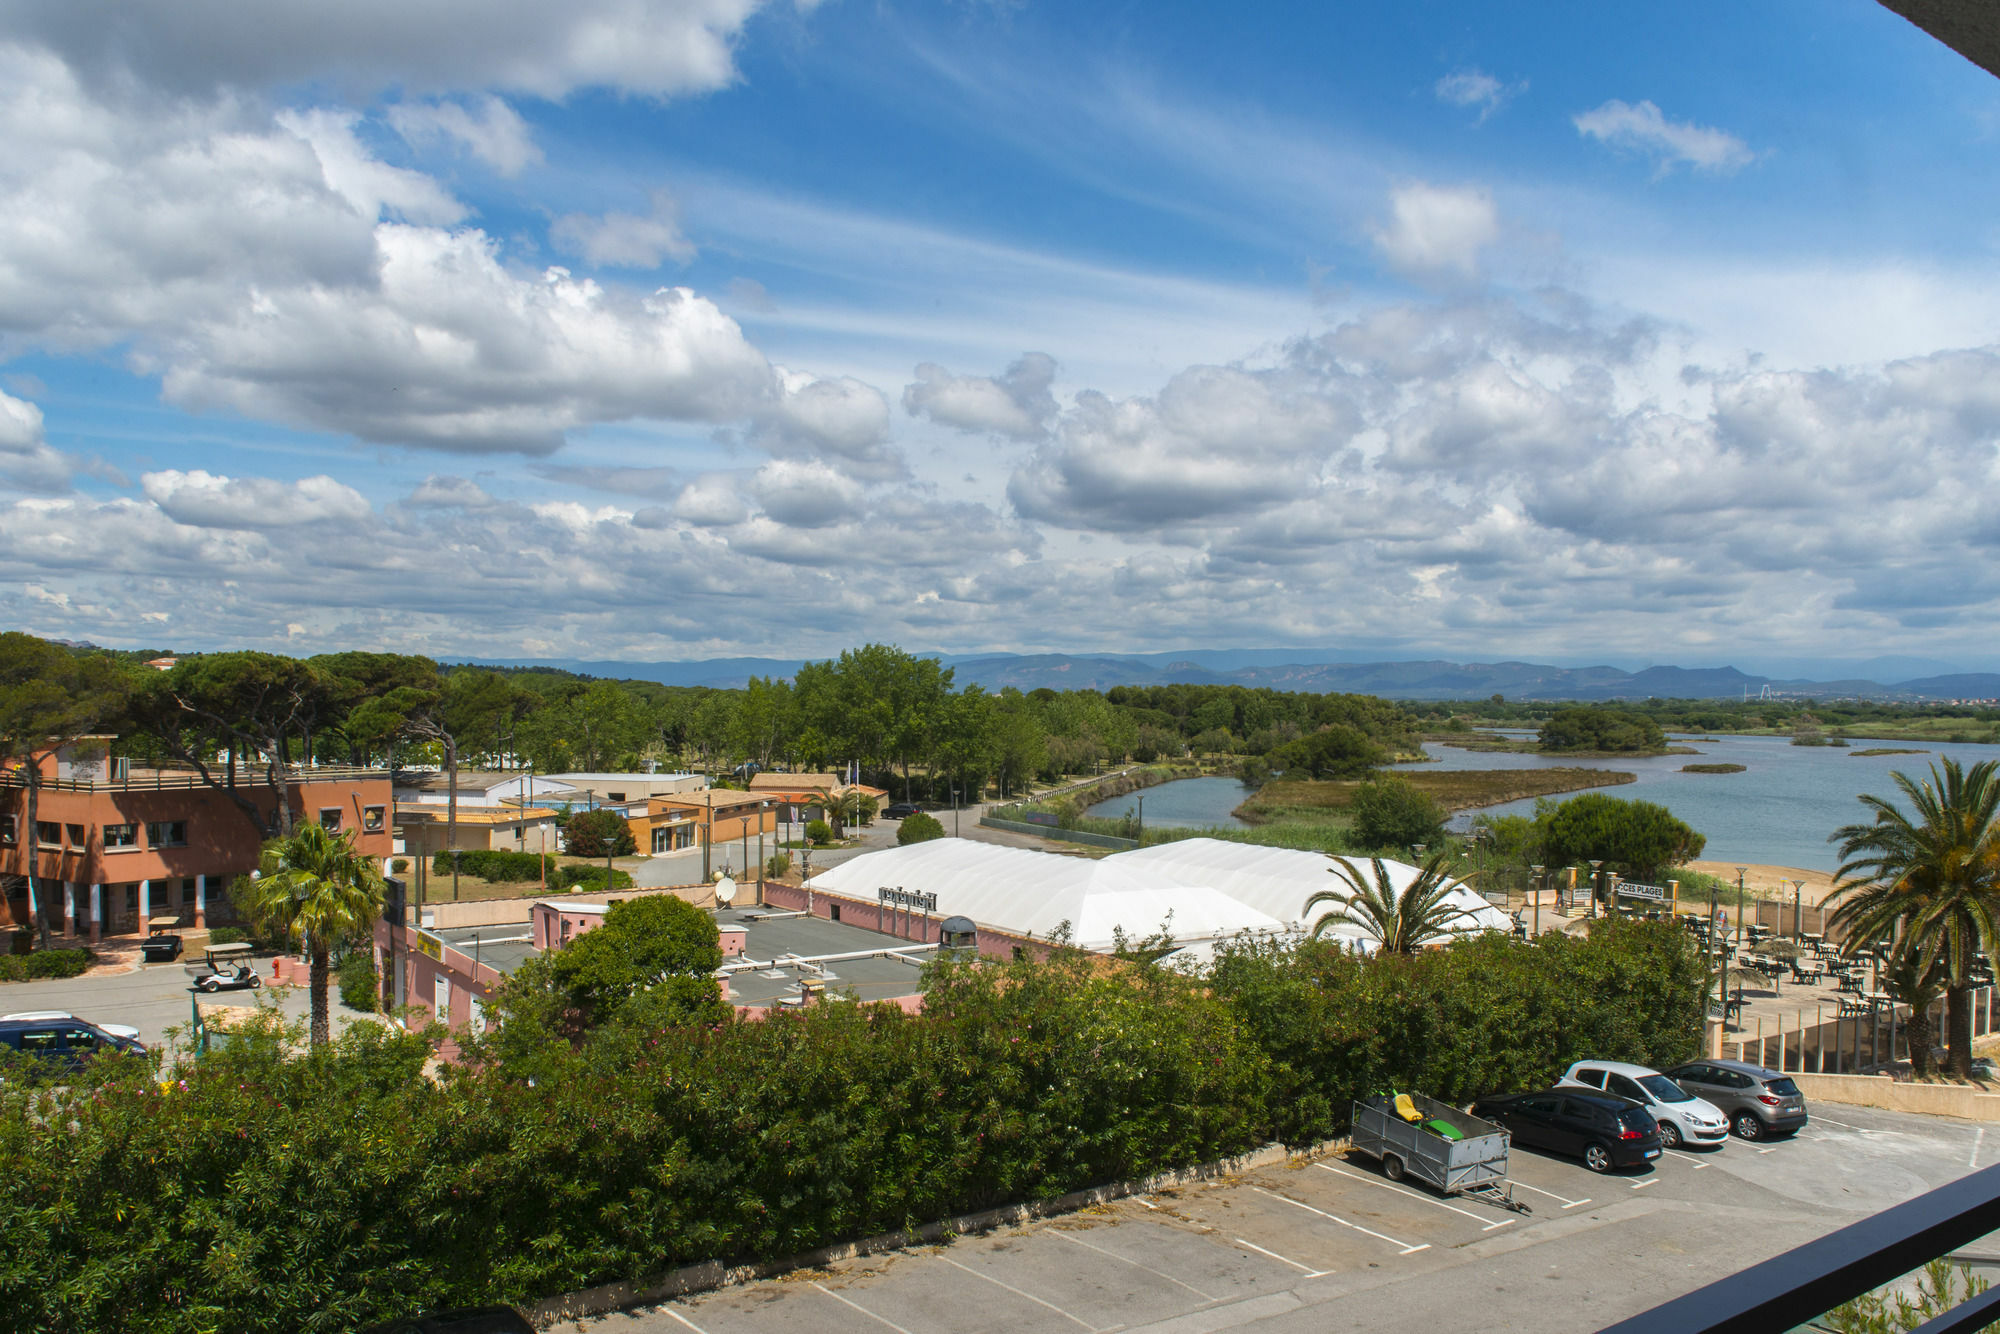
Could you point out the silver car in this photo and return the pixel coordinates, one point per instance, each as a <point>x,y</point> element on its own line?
<point>1760,1103</point>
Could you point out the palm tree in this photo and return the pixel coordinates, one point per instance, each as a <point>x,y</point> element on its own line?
<point>1403,923</point>
<point>321,890</point>
<point>1930,880</point>
<point>1916,978</point>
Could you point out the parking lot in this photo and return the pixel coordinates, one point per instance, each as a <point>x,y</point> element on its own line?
<point>155,997</point>
<point>1333,1245</point>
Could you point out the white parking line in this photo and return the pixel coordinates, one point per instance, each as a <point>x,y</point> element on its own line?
<point>1134,1263</point>
<point>1400,1190</point>
<point>672,1314</point>
<point>1567,1203</point>
<point>1309,1273</point>
<point>1407,1248</point>
<point>1641,1185</point>
<point>1698,1163</point>
<point>864,1310</point>
<point>1842,1124</point>
<point>1762,1152</point>
<point>1973,1161</point>
<point>1018,1293</point>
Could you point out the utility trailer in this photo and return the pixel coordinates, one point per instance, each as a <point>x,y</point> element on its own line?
<point>1454,1152</point>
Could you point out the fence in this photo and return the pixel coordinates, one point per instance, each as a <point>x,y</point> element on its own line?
<point>1843,1045</point>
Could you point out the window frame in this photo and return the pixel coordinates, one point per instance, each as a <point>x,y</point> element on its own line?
<point>41,841</point>
<point>126,834</point>
<point>374,819</point>
<point>338,815</point>
<point>10,829</point>
<point>153,841</point>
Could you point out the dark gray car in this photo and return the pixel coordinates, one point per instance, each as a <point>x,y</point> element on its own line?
<point>1760,1103</point>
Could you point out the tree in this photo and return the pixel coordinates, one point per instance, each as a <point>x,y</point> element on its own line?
<point>1400,923</point>
<point>653,961</point>
<point>465,709</point>
<point>1338,751</point>
<point>1601,729</point>
<point>1930,880</point>
<point>321,891</point>
<point>1389,812</point>
<point>1638,839</point>
<point>919,828</point>
<point>1915,976</point>
<point>597,834</point>
<point>49,697</point>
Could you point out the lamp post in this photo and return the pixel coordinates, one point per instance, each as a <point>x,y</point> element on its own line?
<point>1535,882</point>
<point>1798,911</point>
<point>1142,822</point>
<point>1596,866</point>
<point>1739,904</point>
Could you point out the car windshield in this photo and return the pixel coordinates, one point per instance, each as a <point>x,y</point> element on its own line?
<point>1664,1089</point>
<point>1784,1088</point>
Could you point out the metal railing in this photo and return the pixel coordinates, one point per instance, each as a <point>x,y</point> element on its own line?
<point>178,777</point>
<point>1801,1285</point>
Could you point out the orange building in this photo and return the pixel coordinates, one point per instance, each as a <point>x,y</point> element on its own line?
<point>715,817</point>
<point>117,844</point>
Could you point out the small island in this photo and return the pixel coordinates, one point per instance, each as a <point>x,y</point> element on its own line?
<point>1593,733</point>
<point>1889,750</point>
<point>1711,768</point>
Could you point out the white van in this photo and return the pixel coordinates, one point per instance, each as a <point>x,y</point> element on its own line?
<point>1683,1118</point>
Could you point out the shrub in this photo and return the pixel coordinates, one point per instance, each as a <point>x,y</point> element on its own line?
<point>1637,838</point>
<point>44,964</point>
<point>778,865</point>
<point>593,833</point>
<point>360,984</point>
<point>398,865</point>
<point>1390,813</point>
<point>919,828</point>
<point>589,879</point>
<point>819,833</point>
<point>495,864</point>
<point>1337,751</point>
<point>226,935</point>
<point>1600,729</point>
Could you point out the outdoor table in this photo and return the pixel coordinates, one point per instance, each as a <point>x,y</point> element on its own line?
<point>1851,983</point>
<point>1879,999</point>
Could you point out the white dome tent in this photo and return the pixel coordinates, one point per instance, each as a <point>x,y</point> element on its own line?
<point>1202,891</point>
<point>1034,893</point>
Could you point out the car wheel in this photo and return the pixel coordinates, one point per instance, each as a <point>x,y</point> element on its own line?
<point>1670,1134</point>
<point>1392,1167</point>
<point>1597,1158</point>
<point>205,986</point>
<point>1748,1125</point>
<point>256,982</point>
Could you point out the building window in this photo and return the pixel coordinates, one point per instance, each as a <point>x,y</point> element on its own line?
<point>662,840</point>
<point>79,837</point>
<point>121,836</point>
<point>166,833</point>
<point>614,796</point>
<point>371,819</point>
<point>48,833</point>
<point>329,817</point>
<point>7,830</point>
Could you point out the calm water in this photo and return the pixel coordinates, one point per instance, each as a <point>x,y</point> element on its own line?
<point>1779,809</point>
<point>1196,802</point>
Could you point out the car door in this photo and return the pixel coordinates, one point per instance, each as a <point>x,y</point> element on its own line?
<point>1576,1123</point>
<point>1532,1120</point>
<point>80,1044</point>
<point>1700,1080</point>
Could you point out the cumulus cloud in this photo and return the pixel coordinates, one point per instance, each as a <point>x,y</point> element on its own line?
<point>439,491</point>
<point>655,48</point>
<point>27,462</point>
<point>1475,88</point>
<point>485,127</point>
<point>839,419</point>
<point>804,493</point>
<point>625,240</point>
<point>1016,404</point>
<point>205,500</point>
<point>1438,230</point>
<point>710,502</point>
<point>1642,128</point>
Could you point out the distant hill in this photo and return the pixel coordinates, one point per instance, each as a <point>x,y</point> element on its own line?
<point>1278,669</point>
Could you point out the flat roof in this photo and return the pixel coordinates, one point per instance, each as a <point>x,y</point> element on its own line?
<point>713,797</point>
<point>504,946</point>
<point>628,777</point>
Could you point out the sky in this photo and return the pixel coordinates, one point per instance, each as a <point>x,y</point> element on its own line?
<point>696,328</point>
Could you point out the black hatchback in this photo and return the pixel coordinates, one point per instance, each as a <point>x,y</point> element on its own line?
<point>69,1044</point>
<point>1604,1130</point>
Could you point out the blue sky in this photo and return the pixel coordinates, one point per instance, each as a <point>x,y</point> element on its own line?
<point>689,329</point>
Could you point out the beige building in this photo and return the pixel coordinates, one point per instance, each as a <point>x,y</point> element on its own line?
<point>614,789</point>
<point>423,828</point>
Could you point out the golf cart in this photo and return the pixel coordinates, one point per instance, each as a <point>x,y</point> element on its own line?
<point>225,968</point>
<point>163,942</point>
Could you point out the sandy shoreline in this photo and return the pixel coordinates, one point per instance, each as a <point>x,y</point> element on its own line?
<point>1777,880</point>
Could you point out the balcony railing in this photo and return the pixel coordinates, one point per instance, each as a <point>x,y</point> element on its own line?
<point>1801,1285</point>
<point>163,778</point>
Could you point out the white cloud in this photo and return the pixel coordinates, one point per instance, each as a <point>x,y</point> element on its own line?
<point>486,127</point>
<point>839,419</point>
<point>20,425</point>
<point>1438,230</point>
<point>711,502</point>
<point>440,491</point>
<point>374,188</point>
<point>1017,404</point>
<point>804,493</point>
<point>625,240</point>
<point>1476,88</point>
<point>204,500</point>
<point>655,48</point>
<point>1642,128</point>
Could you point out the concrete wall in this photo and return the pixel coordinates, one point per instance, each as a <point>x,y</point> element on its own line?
<point>448,916</point>
<point>1961,1100</point>
<point>895,922</point>
<point>1063,835</point>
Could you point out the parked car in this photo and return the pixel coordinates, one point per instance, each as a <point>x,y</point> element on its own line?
<point>125,1031</point>
<point>1760,1103</point>
<point>1684,1116</point>
<point>902,810</point>
<point>68,1043</point>
<point>1604,1130</point>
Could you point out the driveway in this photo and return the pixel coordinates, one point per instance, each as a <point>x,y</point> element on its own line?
<point>1333,1245</point>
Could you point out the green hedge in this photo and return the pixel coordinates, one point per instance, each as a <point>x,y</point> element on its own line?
<point>589,879</point>
<point>43,963</point>
<point>274,1189</point>
<point>360,984</point>
<point>493,865</point>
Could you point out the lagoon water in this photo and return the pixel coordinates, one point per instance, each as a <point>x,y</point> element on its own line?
<point>1780,809</point>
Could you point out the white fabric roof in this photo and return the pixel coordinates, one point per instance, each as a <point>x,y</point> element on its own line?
<point>1024,891</point>
<point>1278,881</point>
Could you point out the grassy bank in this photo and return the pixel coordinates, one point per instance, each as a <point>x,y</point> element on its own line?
<point>1487,741</point>
<point>1455,790</point>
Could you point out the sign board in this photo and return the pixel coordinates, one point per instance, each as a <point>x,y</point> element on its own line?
<point>907,898</point>
<point>431,945</point>
<point>1632,889</point>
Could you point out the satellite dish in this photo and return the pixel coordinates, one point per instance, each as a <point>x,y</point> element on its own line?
<point>725,891</point>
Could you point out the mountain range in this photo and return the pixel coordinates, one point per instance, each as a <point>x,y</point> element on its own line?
<point>1283,669</point>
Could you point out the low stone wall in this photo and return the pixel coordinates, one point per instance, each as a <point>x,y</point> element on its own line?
<point>449,916</point>
<point>1968,1101</point>
<point>1111,841</point>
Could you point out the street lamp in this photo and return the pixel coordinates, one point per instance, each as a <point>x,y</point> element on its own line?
<point>1535,881</point>
<point>1596,866</point>
<point>1798,911</point>
<point>1739,904</point>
